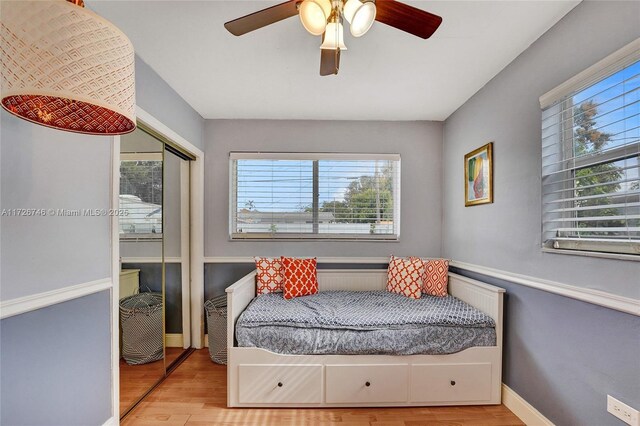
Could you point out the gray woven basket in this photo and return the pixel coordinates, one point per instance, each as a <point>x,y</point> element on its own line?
<point>141,322</point>
<point>216,309</point>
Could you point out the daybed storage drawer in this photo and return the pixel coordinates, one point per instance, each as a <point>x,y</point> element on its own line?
<point>450,382</point>
<point>280,384</point>
<point>367,383</point>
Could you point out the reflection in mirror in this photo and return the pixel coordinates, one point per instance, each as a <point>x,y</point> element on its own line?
<point>176,201</point>
<point>142,363</point>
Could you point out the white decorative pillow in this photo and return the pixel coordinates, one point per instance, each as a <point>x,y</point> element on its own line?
<point>404,276</point>
<point>268,275</point>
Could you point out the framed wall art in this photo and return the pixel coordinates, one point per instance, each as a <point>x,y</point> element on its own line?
<point>478,176</point>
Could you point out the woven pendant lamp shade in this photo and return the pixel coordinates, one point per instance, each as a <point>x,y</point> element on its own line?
<point>65,67</point>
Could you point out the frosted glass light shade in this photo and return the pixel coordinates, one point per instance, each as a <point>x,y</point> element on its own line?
<point>334,37</point>
<point>65,67</point>
<point>349,9</point>
<point>314,15</point>
<point>363,18</point>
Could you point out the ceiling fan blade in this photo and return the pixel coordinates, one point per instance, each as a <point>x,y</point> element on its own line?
<point>262,18</point>
<point>329,61</point>
<point>407,18</point>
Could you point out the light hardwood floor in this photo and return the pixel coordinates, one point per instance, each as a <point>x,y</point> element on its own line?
<point>195,394</point>
<point>136,380</point>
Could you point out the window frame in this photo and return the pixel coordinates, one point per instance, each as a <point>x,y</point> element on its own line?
<point>625,249</point>
<point>143,156</point>
<point>312,156</point>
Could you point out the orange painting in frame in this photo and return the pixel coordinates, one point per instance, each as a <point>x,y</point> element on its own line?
<point>478,176</point>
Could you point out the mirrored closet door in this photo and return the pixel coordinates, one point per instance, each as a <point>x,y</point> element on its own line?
<point>141,274</point>
<point>176,255</point>
<point>154,277</point>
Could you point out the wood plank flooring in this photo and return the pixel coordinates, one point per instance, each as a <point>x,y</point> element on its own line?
<point>136,380</point>
<point>195,394</point>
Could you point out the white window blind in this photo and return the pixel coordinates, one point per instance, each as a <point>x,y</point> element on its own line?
<point>315,196</point>
<point>141,196</point>
<point>591,163</point>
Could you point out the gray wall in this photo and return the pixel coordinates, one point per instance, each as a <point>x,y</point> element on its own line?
<point>419,144</point>
<point>55,361</point>
<point>157,98</point>
<point>561,355</point>
<point>39,169</point>
<point>564,356</point>
<point>55,367</point>
<point>507,234</point>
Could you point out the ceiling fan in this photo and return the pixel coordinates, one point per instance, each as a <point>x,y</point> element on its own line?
<point>325,18</point>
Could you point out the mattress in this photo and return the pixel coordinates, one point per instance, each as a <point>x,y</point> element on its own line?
<point>363,322</point>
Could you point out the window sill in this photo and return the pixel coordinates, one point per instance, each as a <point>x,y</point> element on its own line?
<point>129,238</point>
<point>314,239</point>
<point>615,256</point>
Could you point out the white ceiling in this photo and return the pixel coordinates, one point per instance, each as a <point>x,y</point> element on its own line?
<point>273,72</point>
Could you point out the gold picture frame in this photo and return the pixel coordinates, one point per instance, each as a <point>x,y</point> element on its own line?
<point>478,176</point>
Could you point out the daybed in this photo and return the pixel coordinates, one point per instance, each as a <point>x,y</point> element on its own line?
<point>258,377</point>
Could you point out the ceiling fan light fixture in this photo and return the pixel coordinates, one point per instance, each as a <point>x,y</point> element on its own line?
<point>334,37</point>
<point>349,9</point>
<point>363,18</point>
<point>314,15</point>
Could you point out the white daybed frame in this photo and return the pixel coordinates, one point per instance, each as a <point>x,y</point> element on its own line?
<point>260,378</point>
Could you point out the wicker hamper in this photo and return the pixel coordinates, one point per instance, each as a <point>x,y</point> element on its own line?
<point>142,333</point>
<point>216,309</point>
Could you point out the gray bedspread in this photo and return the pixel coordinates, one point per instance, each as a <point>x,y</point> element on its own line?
<point>366,322</point>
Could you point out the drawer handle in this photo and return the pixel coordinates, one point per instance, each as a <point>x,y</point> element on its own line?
<point>453,383</point>
<point>367,384</point>
<point>279,384</point>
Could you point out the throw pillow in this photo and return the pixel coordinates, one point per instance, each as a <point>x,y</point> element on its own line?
<point>268,275</point>
<point>404,276</point>
<point>300,277</point>
<point>435,277</point>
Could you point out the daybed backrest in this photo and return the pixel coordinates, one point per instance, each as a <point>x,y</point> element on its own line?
<point>352,279</point>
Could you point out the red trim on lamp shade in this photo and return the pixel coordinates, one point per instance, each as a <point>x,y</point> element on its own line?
<point>69,115</point>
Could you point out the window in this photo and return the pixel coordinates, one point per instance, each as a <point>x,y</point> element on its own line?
<point>141,196</point>
<point>591,161</point>
<point>315,196</point>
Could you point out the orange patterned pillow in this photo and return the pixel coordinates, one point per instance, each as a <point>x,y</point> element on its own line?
<point>300,277</point>
<point>404,276</point>
<point>268,275</point>
<point>435,277</point>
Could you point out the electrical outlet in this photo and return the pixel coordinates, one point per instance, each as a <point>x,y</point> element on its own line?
<point>622,411</point>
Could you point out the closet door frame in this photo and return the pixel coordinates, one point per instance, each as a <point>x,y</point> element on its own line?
<point>192,248</point>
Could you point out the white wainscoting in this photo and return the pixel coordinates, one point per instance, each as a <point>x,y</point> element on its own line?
<point>250,259</point>
<point>21,305</point>
<point>596,297</point>
<point>150,259</point>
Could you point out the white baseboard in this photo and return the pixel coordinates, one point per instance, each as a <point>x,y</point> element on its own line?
<point>521,408</point>
<point>112,421</point>
<point>21,305</point>
<point>596,297</point>
<point>173,340</point>
<point>206,340</point>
